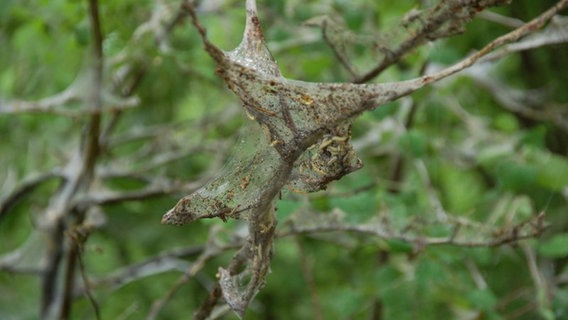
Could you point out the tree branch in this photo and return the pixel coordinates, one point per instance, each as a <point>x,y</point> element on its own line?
<point>322,223</point>
<point>443,20</point>
<point>555,33</point>
<point>81,171</point>
<point>154,189</point>
<point>165,261</point>
<point>25,187</point>
<point>53,105</point>
<point>528,104</point>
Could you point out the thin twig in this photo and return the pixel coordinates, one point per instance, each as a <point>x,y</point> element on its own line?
<point>88,292</point>
<point>49,294</point>
<point>437,17</point>
<point>238,260</point>
<point>555,33</point>
<point>337,52</point>
<point>154,189</point>
<point>211,250</point>
<point>44,105</point>
<point>526,229</point>
<point>69,280</point>
<point>514,35</point>
<point>162,262</point>
<point>52,105</point>
<point>93,130</point>
<point>81,171</point>
<point>27,186</point>
<point>543,291</point>
<point>522,102</point>
<point>500,19</point>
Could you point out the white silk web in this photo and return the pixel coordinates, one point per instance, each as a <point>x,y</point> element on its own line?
<point>307,126</point>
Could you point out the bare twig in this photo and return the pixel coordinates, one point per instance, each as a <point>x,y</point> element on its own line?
<point>72,254</point>
<point>450,15</point>
<point>339,54</point>
<point>522,102</point>
<point>163,262</point>
<point>523,293</point>
<point>80,169</point>
<point>527,229</point>
<point>238,260</point>
<point>163,158</point>
<point>210,250</point>
<point>43,105</point>
<point>555,33</point>
<point>544,293</point>
<point>28,185</point>
<point>476,275</point>
<point>500,19</point>
<point>153,190</point>
<point>88,292</point>
<point>128,81</point>
<point>52,105</point>
<point>93,130</point>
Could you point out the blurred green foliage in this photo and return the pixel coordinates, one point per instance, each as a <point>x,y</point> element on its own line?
<point>521,167</point>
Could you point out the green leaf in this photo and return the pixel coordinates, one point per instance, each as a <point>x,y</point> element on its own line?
<point>462,189</point>
<point>482,299</point>
<point>553,174</point>
<point>321,203</point>
<point>398,246</point>
<point>413,143</point>
<point>555,247</point>
<point>361,205</point>
<point>535,137</point>
<point>516,176</point>
<point>287,207</point>
<point>506,122</point>
<point>492,154</point>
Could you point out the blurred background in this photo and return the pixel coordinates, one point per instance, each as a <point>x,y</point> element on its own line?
<point>470,161</point>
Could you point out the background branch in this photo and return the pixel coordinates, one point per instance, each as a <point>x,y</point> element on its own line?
<point>443,20</point>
